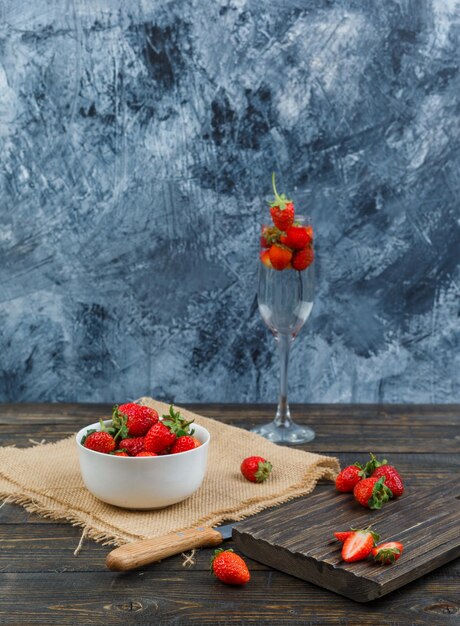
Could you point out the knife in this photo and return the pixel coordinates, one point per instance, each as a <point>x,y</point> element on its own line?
<point>138,553</point>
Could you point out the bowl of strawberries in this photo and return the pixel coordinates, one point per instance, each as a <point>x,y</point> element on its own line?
<point>141,460</point>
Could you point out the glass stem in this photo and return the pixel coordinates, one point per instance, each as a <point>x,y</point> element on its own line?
<point>283,415</point>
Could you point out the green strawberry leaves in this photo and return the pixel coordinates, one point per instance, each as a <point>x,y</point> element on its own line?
<point>380,494</point>
<point>176,423</point>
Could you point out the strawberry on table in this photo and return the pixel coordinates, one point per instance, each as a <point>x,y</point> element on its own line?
<point>349,477</point>
<point>137,418</point>
<point>388,552</point>
<point>281,209</point>
<point>256,469</point>
<point>303,258</point>
<point>164,433</point>
<point>359,545</point>
<point>229,567</point>
<point>280,256</point>
<point>372,492</point>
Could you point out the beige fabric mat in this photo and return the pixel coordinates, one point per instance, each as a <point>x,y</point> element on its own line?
<point>46,479</point>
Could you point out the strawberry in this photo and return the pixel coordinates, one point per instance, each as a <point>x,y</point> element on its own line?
<point>229,567</point>
<point>280,256</point>
<point>133,445</point>
<point>343,536</point>
<point>265,258</point>
<point>256,469</point>
<point>392,479</point>
<point>377,469</point>
<point>99,441</point>
<point>303,258</point>
<point>163,434</point>
<point>388,552</point>
<point>146,454</point>
<point>296,237</point>
<point>349,477</point>
<point>281,209</point>
<point>372,492</point>
<point>158,438</point>
<point>137,419</point>
<point>184,443</point>
<point>120,453</point>
<point>359,545</point>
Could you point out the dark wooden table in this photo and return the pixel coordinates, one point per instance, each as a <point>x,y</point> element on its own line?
<point>42,582</point>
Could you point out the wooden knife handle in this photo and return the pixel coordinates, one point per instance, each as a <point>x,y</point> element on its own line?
<point>138,553</point>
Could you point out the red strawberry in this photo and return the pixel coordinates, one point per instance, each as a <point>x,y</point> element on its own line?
<point>372,492</point>
<point>185,443</point>
<point>229,567</point>
<point>349,477</point>
<point>158,438</point>
<point>120,453</point>
<point>256,469</point>
<point>280,256</point>
<point>146,454</point>
<point>163,434</point>
<point>303,258</point>
<point>343,536</point>
<point>392,479</point>
<point>281,209</point>
<point>99,441</point>
<point>265,258</point>
<point>137,418</point>
<point>388,552</point>
<point>296,237</point>
<point>133,445</point>
<point>377,469</point>
<point>359,545</point>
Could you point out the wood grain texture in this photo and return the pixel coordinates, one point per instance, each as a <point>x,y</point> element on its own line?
<point>44,583</point>
<point>134,555</point>
<point>298,539</point>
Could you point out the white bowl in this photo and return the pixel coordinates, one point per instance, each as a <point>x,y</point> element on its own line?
<point>143,482</point>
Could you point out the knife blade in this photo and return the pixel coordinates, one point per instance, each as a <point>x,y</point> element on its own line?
<point>138,553</point>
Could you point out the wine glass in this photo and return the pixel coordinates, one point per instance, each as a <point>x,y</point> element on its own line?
<point>285,301</point>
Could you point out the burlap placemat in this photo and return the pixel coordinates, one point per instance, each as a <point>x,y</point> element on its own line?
<point>46,479</point>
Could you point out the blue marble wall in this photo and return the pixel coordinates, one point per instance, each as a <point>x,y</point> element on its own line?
<point>137,143</point>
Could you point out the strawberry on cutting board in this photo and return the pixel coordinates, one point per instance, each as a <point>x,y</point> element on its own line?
<point>388,552</point>
<point>372,492</point>
<point>377,469</point>
<point>359,545</point>
<point>349,477</point>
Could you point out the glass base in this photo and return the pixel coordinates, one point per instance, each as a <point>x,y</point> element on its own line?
<point>287,435</point>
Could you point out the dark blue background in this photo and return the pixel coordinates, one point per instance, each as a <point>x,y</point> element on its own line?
<point>137,143</point>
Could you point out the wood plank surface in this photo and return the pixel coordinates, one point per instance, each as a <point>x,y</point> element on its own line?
<point>42,582</point>
<point>298,539</point>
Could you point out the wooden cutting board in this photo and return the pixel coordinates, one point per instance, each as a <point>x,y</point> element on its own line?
<point>297,538</point>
